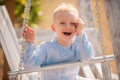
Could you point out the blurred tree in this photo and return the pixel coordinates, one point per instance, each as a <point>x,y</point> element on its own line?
<point>2,2</point>
<point>35,9</point>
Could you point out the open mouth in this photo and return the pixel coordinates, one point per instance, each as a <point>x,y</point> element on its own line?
<point>67,33</point>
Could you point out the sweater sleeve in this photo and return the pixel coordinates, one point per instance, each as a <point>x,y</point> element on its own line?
<point>34,56</point>
<point>84,49</point>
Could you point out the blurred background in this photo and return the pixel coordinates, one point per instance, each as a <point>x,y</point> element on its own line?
<point>40,18</point>
<point>40,11</point>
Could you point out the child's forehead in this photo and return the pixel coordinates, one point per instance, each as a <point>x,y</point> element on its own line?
<point>65,14</point>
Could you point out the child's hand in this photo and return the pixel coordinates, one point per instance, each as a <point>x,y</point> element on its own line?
<point>79,26</point>
<point>29,34</point>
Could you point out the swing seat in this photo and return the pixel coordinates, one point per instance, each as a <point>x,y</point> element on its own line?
<point>11,47</point>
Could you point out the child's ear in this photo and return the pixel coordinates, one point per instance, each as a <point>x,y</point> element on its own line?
<point>53,27</point>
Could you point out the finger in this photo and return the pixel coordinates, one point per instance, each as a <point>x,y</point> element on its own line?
<point>77,23</point>
<point>23,34</point>
<point>29,38</point>
<point>80,21</point>
<point>26,30</point>
<point>25,25</point>
<point>28,35</point>
<point>30,30</point>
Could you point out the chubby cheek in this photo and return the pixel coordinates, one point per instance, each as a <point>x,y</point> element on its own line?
<point>74,33</point>
<point>59,32</point>
<point>74,30</point>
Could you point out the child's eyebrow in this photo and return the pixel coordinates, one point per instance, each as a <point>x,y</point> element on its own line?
<point>73,21</point>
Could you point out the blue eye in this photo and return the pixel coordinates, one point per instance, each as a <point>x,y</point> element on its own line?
<point>62,23</point>
<point>73,24</point>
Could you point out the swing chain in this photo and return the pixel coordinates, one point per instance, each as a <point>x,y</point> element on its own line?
<point>27,11</point>
<point>100,33</point>
<point>105,65</point>
<point>25,21</point>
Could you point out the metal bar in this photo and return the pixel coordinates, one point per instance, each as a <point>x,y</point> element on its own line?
<point>62,65</point>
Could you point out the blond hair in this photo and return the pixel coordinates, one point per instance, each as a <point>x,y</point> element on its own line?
<point>65,7</point>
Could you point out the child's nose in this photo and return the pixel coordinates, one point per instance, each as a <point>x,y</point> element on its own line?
<point>68,25</point>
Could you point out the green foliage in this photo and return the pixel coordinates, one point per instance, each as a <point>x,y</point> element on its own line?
<point>2,2</point>
<point>35,9</point>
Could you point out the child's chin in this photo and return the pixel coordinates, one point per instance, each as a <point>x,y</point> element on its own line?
<point>67,39</point>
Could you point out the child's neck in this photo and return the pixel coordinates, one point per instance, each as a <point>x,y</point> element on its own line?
<point>64,43</point>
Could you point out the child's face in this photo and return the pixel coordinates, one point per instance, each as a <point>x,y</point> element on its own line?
<point>65,25</point>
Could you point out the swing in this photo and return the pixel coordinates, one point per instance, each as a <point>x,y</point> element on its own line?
<point>19,73</point>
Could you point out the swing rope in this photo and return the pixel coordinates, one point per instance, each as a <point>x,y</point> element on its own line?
<point>25,21</point>
<point>105,65</point>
